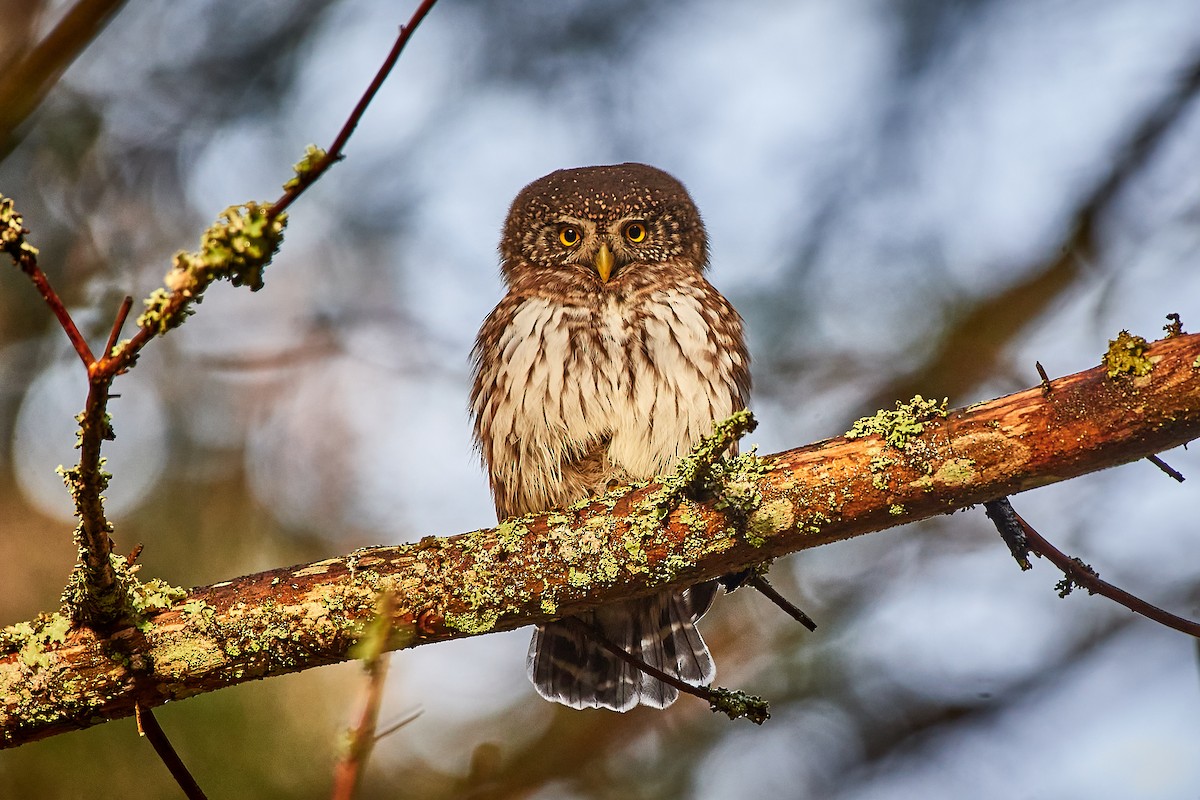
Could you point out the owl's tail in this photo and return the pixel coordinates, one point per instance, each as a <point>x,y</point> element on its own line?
<point>569,667</point>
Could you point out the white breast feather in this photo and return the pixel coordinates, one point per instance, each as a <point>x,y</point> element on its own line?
<point>554,401</point>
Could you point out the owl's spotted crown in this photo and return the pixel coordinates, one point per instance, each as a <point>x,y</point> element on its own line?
<point>604,192</point>
<point>605,195</point>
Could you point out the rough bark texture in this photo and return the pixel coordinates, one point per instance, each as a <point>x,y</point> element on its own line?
<point>53,679</point>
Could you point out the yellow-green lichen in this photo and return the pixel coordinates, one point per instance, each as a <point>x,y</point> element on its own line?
<point>132,601</point>
<point>237,247</point>
<point>898,427</point>
<point>30,640</point>
<point>814,522</point>
<point>739,479</point>
<point>881,462</point>
<point>313,155</point>
<point>896,510</point>
<point>608,568</point>
<point>473,622</point>
<point>12,234</point>
<point>735,704</point>
<point>694,473</point>
<point>1126,355</point>
<point>637,554</point>
<point>199,609</point>
<point>879,465</point>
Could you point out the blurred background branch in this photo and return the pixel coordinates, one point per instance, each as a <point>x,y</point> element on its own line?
<point>30,67</point>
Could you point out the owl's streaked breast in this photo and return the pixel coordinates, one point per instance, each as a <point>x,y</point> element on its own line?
<point>613,388</point>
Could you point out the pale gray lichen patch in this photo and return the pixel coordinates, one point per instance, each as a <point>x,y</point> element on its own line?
<point>188,657</point>
<point>956,472</point>
<point>769,519</point>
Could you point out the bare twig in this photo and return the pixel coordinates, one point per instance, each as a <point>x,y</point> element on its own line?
<point>733,704</point>
<point>1080,574</point>
<point>1004,517</point>
<point>118,323</point>
<point>594,633</point>
<point>398,724</point>
<point>1046,388</point>
<point>760,583</point>
<point>148,726</point>
<point>1167,468</point>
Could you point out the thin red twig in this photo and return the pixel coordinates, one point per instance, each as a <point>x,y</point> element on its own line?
<point>362,738</point>
<point>118,323</point>
<point>60,312</point>
<point>148,726</point>
<point>334,153</point>
<point>1080,574</point>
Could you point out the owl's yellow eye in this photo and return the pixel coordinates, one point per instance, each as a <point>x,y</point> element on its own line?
<point>568,236</point>
<point>635,232</point>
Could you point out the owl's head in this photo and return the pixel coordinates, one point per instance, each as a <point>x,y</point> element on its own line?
<point>596,227</point>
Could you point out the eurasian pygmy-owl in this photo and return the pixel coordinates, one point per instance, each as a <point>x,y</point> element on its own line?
<point>609,357</point>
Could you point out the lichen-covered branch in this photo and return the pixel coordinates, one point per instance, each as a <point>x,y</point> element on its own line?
<point>54,678</point>
<point>236,248</point>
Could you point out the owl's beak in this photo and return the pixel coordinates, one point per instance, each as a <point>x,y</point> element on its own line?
<point>604,262</point>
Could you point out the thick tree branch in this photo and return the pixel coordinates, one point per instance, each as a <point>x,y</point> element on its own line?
<point>54,679</point>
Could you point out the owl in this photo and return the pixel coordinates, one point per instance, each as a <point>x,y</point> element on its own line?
<point>610,356</point>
